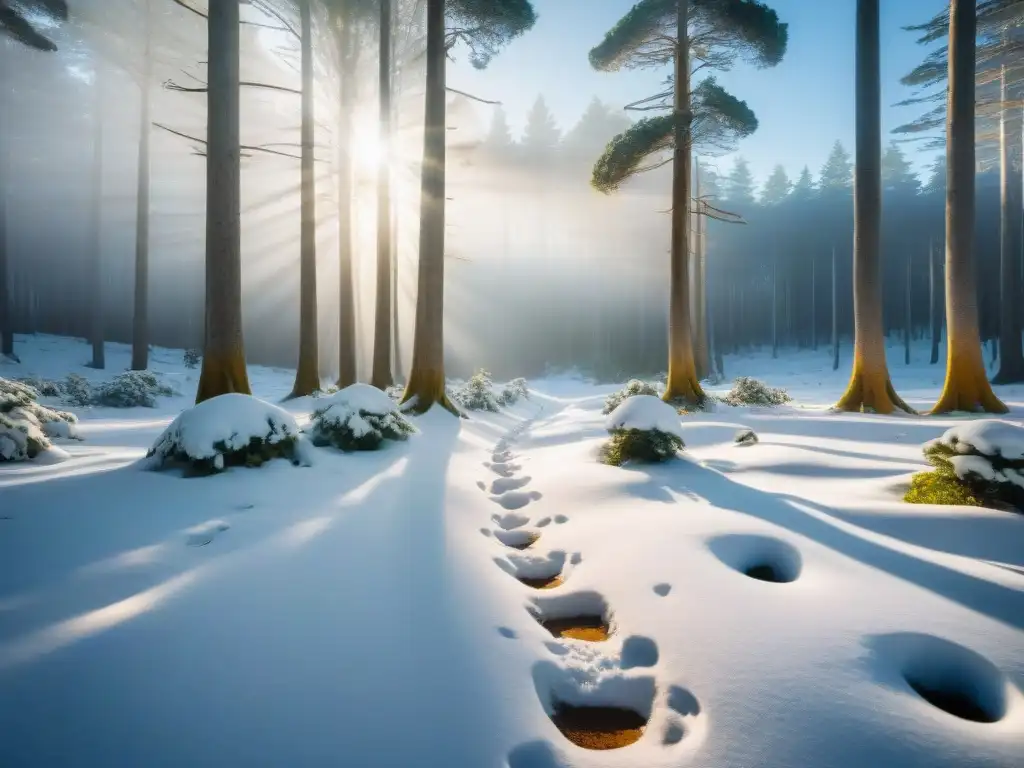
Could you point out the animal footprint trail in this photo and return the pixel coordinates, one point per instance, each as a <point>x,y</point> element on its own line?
<point>516,499</point>
<point>506,484</point>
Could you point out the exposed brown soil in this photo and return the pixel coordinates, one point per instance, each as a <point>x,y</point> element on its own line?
<point>548,583</point>
<point>591,628</point>
<point>599,727</point>
<point>528,542</point>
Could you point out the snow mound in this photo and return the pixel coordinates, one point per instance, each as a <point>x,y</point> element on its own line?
<point>229,430</point>
<point>358,418</point>
<point>646,413</point>
<point>987,437</point>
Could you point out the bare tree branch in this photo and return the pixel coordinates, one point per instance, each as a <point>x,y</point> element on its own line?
<point>470,96</point>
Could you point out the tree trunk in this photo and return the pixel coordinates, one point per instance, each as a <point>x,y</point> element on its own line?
<point>682,381</point>
<point>1011,358</point>
<point>307,373</point>
<point>966,387</point>
<point>835,316</point>
<point>223,349</point>
<point>700,331</point>
<point>346,287</point>
<point>775,304</point>
<point>814,305</point>
<point>140,312</point>
<point>908,317</point>
<point>381,376</point>
<point>96,262</point>
<point>870,388</point>
<point>935,320</point>
<point>6,318</point>
<point>426,385</point>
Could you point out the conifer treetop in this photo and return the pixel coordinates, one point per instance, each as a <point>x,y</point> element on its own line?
<point>485,26</point>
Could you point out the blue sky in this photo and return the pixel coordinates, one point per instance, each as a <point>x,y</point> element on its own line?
<point>803,105</point>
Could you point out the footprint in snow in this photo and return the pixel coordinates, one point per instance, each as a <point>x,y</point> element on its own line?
<point>510,521</point>
<point>502,456</point>
<point>561,519</point>
<point>203,534</point>
<point>506,484</point>
<point>516,499</point>
<point>662,590</point>
<point>503,468</point>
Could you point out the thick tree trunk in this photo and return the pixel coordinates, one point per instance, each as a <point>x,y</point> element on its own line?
<point>223,350</point>
<point>140,312</point>
<point>426,385</point>
<point>96,261</point>
<point>307,373</point>
<point>934,317</point>
<point>700,330</point>
<point>908,316</point>
<point>346,287</point>
<point>967,387</point>
<point>775,304</point>
<point>682,381</point>
<point>381,376</point>
<point>1011,358</point>
<point>869,388</point>
<point>835,316</point>
<point>6,316</point>
<point>814,305</point>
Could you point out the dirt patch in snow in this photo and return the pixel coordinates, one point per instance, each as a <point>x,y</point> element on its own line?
<point>592,628</point>
<point>598,727</point>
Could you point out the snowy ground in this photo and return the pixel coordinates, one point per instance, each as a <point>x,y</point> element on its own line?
<point>364,612</point>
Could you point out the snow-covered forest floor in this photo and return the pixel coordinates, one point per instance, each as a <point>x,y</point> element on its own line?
<point>365,611</point>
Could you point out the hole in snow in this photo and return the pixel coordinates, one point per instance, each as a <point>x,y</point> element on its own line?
<point>506,632</point>
<point>517,539</point>
<point>537,571</point>
<point>760,557</point>
<point>662,589</point>
<point>508,522</point>
<point>673,734</point>
<point>516,499</point>
<point>948,676</point>
<point>560,519</point>
<point>592,711</point>
<point>639,651</point>
<point>580,616</point>
<point>506,484</point>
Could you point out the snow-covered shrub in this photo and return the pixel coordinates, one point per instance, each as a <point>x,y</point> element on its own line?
<point>643,428</point>
<point>513,392</point>
<point>745,437</point>
<point>76,390</point>
<point>45,387</point>
<point>748,391</point>
<point>20,440</point>
<point>978,463</point>
<point>633,388</point>
<point>18,402</point>
<point>192,358</point>
<point>478,393</point>
<point>131,389</point>
<point>358,418</point>
<point>395,392</point>
<point>228,431</point>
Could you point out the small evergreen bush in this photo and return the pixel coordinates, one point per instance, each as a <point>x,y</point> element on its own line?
<point>513,392</point>
<point>748,391</point>
<point>646,445</point>
<point>359,418</point>
<point>977,464</point>
<point>395,392</point>
<point>18,403</point>
<point>633,387</point>
<point>76,390</point>
<point>20,440</point>
<point>131,389</point>
<point>15,393</point>
<point>45,387</point>
<point>477,394</point>
<point>193,357</point>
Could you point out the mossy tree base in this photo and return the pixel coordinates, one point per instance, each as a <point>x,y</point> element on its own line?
<point>426,389</point>
<point>222,375</point>
<point>969,392</point>
<point>871,394</point>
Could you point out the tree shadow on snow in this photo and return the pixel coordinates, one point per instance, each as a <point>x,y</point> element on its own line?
<point>823,525</point>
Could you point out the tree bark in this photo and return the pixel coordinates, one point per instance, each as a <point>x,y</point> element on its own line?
<point>1011,358</point>
<point>700,330</point>
<point>96,262</point>
<point>140,311</point>
<point>682,381</point>
<point>814,306</point>
<point>307,373</point>
<point>426,385</point>
<point>6,316</point>
<point>870,388</point>
<point>835,316</point>
<point>967,387</point>
<point>934,317</point>
<point>346,287</point>
<point>775,303</point>
<point>908,315</point>
<point>223,349</point>
<point>381,376</point>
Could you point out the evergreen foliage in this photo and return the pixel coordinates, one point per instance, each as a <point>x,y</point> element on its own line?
<point>478,393</point>
<point>837,173</point>
<point>640,445</point>
<point>484,26</point>
<point>20,21</point>
<point>777,188</point>
<point>633,387</point>
<point>358,424</point>
<point>749,391</point>
<point>513,392</point>
<point>131,389</point>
